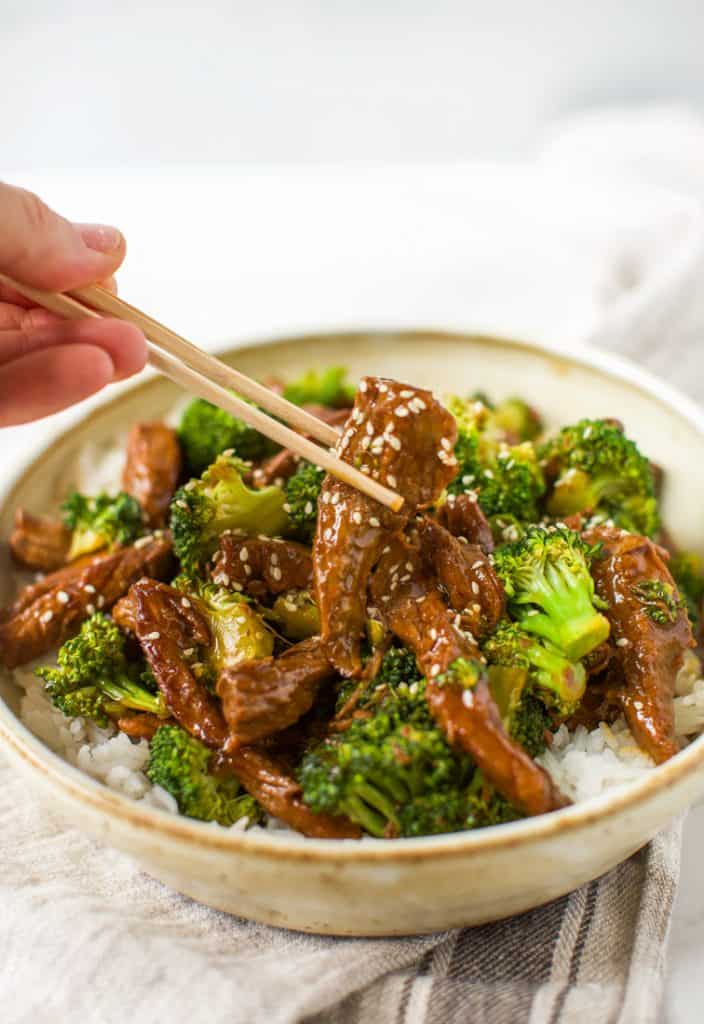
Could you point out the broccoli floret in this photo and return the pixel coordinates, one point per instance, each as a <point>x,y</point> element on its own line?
<point>688,572</point>
<point>530,722</point>
<point>321,387</point>
<point>487,807</point>
<point>220,500</point>
<point>517,420</point>
<point>398,678</point>
<point>302,493</point>
<point>507,478</point>
<point>593,466</point>
<point>101,521</point>
<point>207,431</point>
<point>93,678</point>
<point>550,591</point>
<point>392,772</point>
<point>237,632</point>
<point>180,764</point>
<point>296,614</point>
<point>559,681</point>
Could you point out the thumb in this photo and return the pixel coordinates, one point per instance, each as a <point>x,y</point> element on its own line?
<point>40,248</point>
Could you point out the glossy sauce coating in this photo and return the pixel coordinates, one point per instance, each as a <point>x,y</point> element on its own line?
<point>650,653</point>
<point>63,602</point>
<point>263,697</point>
<point>261,566</point>
<point>472,586</point>
<point>412,604</point>
<point>168,625</point>
<point>462,515</point>
<point>39,542</point>
<point>152,469</point>
<point>404,438</point>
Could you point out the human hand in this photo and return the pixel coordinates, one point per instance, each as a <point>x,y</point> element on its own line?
<point>47,363</point>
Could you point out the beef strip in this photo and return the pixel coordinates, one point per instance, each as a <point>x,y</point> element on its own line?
<point>462,515</point>
<point>261,566</point>
<point>152,469</point>
<point>270,784</point>
<point>404,438</point>
<point>142,725</point>
<point>167,625</point>
<point>263,697</point>
<point>412,603</point>
<point>650,653</point>
<point>39,542</point>
<point>72,595</point>
<point>467,575</point>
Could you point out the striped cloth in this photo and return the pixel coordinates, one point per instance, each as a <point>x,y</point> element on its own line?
<point>86,935</point>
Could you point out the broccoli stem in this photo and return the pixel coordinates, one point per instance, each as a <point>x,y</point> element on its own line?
<point>570,620</point>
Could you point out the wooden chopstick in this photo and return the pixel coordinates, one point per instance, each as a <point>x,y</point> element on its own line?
<point>217,371</point>
<point>207,377</point>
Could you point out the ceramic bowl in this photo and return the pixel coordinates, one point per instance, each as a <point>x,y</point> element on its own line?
<point>407,886</point>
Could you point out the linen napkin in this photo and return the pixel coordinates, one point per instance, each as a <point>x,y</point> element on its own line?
<point>86,935</point>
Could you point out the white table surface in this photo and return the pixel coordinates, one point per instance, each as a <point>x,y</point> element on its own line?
<point>236,255</point>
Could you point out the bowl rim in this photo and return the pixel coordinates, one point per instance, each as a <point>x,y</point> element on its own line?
<point>77,785</point>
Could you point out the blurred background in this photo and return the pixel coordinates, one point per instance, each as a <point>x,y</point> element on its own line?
<point>173,84</point>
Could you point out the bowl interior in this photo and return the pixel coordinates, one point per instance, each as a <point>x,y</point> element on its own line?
<point>563,389</point>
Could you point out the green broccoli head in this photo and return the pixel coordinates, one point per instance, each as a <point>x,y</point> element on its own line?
<point>688,572</point>
<point>516,420</point>
<point>296,614</point>
<point>101,521</point>
<point>321,387</point>
<point>550,591</point>
<point>237,632</point>
<point>302,493</point>
<point>507,478</point>
<point>398,679</point>
<point>487,806</point>
<point>206,431</point>
<point>559,681</point>
<point>180,764</point>
<point>391,772</point>
<point>220,500</point>
<point>593,466</point>
<point>93,678</point>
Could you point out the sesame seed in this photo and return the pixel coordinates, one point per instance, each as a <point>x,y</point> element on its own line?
<point>229,452</point>
<point>475,587</point>
<point>244,555</point>
<point>247,569</point>
<point>357,518</point>
<point>478,564</point>
<point>401,411</point>
<point>370,429</point>
<point>276,573</point>
<point>241,619</point>
<point>434,671</point>
<point>467,698</point>
<point>326,498</point>
<point>181,503</point>
<point>433,633</point>
<point>101,600</point>
<point>46,617</point>
<point>373,521</point>
<point>152,636</point>
<point>290,606</point>
<point>445,444</point>
<point>90,608</point>
<point>406,578</point>
<point>366,441</point>
<point>382,389</point>
<point>274,558</point>
<point>405,393</point>
<point>185,603</point>
<point>327,534</point>
<point>89,588</point>
<point>224,579</point>
<point>488,474</point>
<point>287,507</point>
<point>395,443</point>
<point>362,386</point>
<point>189,652</point>
<point>391,480</point>
<point>335,498</point>
<point>623,642</point>
<point>62,597</point>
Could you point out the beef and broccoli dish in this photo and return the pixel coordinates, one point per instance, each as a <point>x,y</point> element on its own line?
<point>289,649</point>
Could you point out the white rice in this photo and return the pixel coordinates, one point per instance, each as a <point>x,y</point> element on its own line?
<point>582,763</point>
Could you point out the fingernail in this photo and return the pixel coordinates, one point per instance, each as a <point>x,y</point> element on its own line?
<point>100,237</point>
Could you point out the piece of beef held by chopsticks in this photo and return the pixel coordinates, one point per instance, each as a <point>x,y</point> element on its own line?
<point>403,437</point>
<point>650,631</point>
<point>413,607</point>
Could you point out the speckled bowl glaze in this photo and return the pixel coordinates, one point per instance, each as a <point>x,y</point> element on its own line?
<point>410,885</point>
